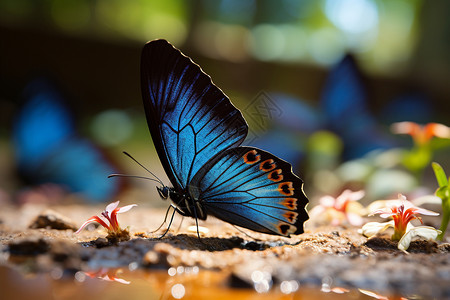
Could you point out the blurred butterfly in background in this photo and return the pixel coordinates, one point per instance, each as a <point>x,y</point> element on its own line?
<point>343,109</point>
<point>344,104</point>
<point>49,150</point>
<point>287,134</point>
<point>197,133</point>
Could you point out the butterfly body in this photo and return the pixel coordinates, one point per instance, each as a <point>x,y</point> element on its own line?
<point>184,204</point>
<point>197,133</point>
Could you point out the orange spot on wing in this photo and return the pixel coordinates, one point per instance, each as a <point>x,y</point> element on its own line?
<point>267,165</point>
<point>285,229</point>
<point>290,216</point>
<point>251,157</point>
<point>275,175</point>
<point>286,188</point>
<point>290,203</point>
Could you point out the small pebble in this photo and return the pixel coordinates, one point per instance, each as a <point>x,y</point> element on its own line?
<point>51,219</point>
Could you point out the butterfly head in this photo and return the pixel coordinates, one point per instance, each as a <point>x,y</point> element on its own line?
<point>163,192</point>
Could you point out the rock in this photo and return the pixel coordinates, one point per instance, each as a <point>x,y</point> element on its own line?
<point>29,246</point>
<point>101,242</point>
<point>51,219</point>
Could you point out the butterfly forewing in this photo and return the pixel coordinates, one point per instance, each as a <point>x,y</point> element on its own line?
<point>254,189</point>
<point>190,119</point>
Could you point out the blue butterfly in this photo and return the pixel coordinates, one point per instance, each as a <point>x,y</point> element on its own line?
<point>343,109</point>
<point>197,133</point>
<point>344,104</point>
<point>49,150</point>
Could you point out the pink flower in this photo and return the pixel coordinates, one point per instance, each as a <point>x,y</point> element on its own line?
<point>402,213</point>
<point>107,275</point>
<point>421,134</point>
<point>110,216</point>
<point>340,209</point>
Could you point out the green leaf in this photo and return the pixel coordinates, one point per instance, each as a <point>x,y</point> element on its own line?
<point>440,174</point>
<point>442,192</point>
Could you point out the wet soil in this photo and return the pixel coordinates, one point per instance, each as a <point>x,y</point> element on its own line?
<point>36,240</point>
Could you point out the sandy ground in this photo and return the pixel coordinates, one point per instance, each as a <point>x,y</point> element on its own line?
<point>326,257</point>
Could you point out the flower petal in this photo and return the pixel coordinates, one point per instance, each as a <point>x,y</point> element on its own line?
<point>125,208</point>
<point>110,207</point>
<point>114,278</point>
<point>426,212</point>
<point>358,195</point>
<point>429,199</point>
<point>354,219</point>
<point>316,211</point>
<point>346,197</point>
<point>383,205</point>
<point>327,201</point>
<point>426,232</point>
<point>436,129</point>
<point>410,128</point>
<point>384,212</point>
<point>372,228</point>
<point>91,220</point>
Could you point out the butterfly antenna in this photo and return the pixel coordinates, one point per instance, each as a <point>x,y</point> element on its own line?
<point>127,154</point>
<point>132,176</point>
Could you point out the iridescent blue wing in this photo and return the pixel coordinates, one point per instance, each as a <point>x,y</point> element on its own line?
<point>254,189</point>
<point>190,119</point>
<point>48,149</point>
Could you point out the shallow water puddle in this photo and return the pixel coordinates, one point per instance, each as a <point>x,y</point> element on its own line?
<point>176,283</point>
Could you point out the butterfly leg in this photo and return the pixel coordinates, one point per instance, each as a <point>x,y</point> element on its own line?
<point>170,223</point>
<point>165,219</point>
<point>175,209</point>
<point>245,233</point>
<point>181,223</point>
<point>196,221</point>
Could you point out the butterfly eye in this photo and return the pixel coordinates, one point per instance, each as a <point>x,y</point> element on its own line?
<point>251,157</point>
<point>267,165</point>
<point>163,192</point>
<point>275,175</point>
<point>286,188</point>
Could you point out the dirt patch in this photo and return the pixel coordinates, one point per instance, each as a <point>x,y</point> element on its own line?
<point>330,256</point>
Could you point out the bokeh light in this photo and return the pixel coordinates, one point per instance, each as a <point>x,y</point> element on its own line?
<point>353,16</point>
<point>112,127</point>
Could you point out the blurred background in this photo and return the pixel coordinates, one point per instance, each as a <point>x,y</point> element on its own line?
<point>319,83</point>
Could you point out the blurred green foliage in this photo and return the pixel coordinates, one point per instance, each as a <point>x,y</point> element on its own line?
<point>384,33</point>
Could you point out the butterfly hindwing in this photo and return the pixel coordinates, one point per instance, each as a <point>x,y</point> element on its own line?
<point>190,119</point>
<point>254,189</point>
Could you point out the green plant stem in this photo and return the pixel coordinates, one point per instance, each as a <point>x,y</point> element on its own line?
<point>445,217</point>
